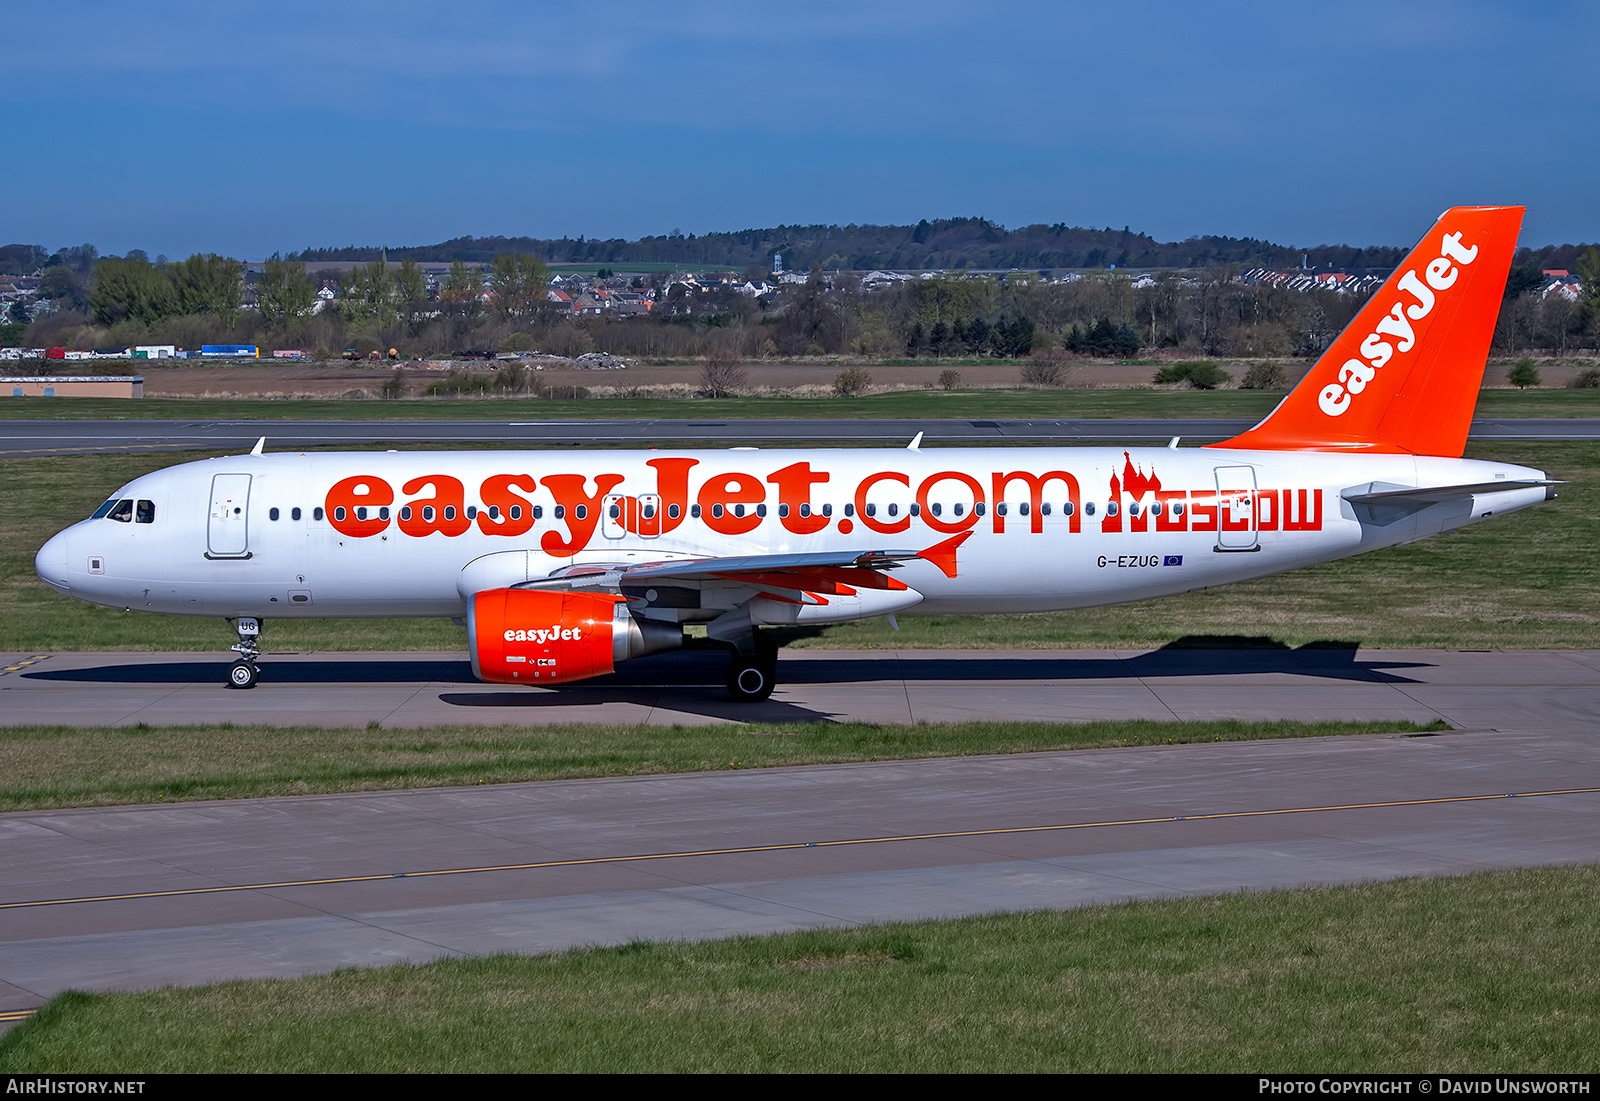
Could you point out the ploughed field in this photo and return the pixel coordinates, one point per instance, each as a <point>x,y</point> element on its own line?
<point>636,397</point>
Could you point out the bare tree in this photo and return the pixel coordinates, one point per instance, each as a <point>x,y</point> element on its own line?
<point>723,375</point>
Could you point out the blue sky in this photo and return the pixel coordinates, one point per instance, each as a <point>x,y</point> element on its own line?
<point>246,128</point>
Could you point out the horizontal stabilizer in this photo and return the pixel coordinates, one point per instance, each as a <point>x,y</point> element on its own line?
<point>1372,494</point>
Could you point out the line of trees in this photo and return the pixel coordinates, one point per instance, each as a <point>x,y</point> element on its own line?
<point>944,243</point>
<point>127,300</point>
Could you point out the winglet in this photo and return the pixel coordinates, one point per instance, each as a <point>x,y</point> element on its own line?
<point>943,554</point>
<point>260,447</point>
<point>1403,377</point>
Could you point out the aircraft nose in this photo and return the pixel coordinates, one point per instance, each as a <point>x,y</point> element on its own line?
<point>51,561</point>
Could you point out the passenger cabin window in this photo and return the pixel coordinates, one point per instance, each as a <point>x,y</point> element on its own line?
<point>538,512</point>
<point>516,512</point>
<point>672,512</point>
<point>123,512</point>
<point>294,513</point>
<point>383,513</point>
<point>405,512</point>
<point>316,513</point>
<point>272,514</point>
<point>1111,508</point>
<point>145,512</point>
<point>1088,508</point>
<point>1068,508</point>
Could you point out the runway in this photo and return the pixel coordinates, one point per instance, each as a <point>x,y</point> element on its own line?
<point>39,438</point>
<point>199,892</point>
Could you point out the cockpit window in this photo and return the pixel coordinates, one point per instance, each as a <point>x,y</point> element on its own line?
<point>101,512</point>
<point>122,512</point>
<point>144,512</point>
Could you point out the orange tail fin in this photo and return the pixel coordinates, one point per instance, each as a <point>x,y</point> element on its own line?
<point>1404,376</point>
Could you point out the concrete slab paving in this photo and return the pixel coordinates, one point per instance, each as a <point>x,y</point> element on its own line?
<point>1488,688</point>
<point>1534,728</point>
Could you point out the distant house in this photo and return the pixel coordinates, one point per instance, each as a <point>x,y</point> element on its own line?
<point>1563,285</point>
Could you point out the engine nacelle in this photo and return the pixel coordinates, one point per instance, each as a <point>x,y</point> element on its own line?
<point>536,636</point>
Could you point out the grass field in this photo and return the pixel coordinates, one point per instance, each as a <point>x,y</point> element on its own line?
<point>1494,972</point>
<point>1527,580</point>
<point>49,767</point>
<point>957,404</point>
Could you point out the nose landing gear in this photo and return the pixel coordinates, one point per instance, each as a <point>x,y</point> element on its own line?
<point>243,673</point>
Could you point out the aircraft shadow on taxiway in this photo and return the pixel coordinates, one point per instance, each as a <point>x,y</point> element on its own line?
<point>1188,657</point>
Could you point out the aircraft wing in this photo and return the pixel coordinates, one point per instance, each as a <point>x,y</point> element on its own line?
<point>816,571</point>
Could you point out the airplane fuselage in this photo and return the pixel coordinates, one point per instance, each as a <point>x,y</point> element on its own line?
<point>415,534</point>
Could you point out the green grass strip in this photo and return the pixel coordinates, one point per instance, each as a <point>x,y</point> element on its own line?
<point>1493,972</point>
<point>50,767</point>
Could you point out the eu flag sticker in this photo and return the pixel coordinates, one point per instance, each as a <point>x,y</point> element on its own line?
<point>1172,560</point>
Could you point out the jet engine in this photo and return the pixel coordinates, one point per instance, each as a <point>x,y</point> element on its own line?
<point>539,636</point>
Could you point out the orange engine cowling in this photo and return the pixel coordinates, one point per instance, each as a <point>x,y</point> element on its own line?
<point>535,636</point>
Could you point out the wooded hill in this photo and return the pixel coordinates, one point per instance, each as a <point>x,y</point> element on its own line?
<point>947,244</point>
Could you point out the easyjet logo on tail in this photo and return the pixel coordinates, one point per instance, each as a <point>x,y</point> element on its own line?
<point>1403,377</point>
<point>1396,331</point>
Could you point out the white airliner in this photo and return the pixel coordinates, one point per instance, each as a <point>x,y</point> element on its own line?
<point>563,564</point>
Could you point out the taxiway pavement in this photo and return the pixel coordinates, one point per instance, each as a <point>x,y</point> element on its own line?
<point>198,892</point>
<point>37,438</point>
<point>1502,689</point>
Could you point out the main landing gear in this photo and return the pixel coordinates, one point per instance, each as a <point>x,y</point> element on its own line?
<point>243,673</point>
<point>753,676</point>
